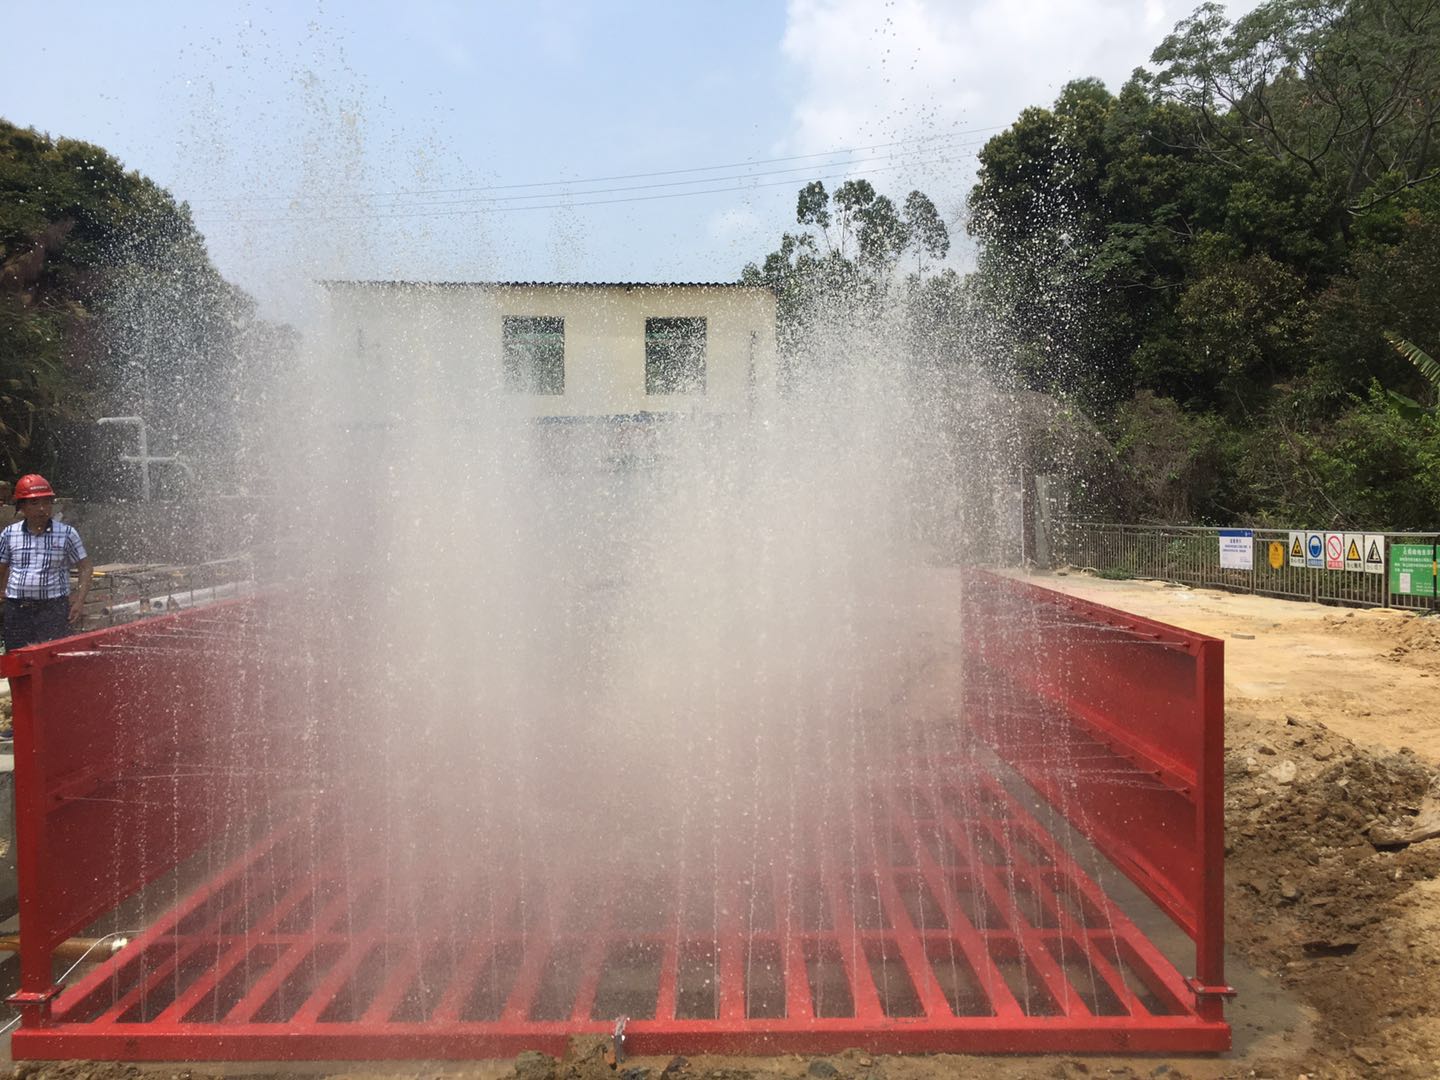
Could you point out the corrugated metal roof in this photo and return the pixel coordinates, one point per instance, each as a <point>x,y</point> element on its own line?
<point>357,283</point>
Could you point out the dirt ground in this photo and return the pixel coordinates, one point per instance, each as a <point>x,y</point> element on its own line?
<point>1332,777</point>
<point>1333,889</point>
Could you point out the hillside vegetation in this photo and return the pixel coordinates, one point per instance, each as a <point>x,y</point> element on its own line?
<point>109,305</point>
<point>1205,265</point>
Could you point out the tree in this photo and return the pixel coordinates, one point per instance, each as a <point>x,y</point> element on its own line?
<point>1045,224</point>
<point>1347,89</point>
<point>925,231</point>
<point>109,304</point>
<point>813,205</point>
<point>1211,251</point>
<point>846,258</point>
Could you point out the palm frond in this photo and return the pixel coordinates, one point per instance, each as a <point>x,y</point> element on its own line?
<point>1422,360</point>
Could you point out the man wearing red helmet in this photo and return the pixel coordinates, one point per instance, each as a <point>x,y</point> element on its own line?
<point>36,554</point>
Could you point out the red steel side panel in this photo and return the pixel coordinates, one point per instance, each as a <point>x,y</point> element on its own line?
<point>1119,721</point>
<point>124,744</point>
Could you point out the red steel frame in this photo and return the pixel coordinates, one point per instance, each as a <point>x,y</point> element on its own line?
<point>1119,721</point>
<point>965,923</point>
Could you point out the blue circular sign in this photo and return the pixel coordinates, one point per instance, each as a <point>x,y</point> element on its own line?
<point>1316,547</point>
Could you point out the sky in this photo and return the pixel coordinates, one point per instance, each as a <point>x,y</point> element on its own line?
<point>546,140</point>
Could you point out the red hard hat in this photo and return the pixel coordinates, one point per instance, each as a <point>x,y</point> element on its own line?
<point>33,486</point>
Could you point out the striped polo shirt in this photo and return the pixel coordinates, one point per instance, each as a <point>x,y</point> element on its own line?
<point>39,564</point>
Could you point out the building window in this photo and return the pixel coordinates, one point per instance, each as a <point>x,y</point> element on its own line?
<point>674,356</point>
<point>535,354</point>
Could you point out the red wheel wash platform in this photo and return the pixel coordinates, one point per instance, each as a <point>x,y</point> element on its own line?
<point>956,914</point>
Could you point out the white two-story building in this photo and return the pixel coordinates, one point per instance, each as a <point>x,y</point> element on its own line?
<point>570,350</point>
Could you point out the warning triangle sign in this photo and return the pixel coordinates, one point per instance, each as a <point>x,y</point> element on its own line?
<point>1295,548</point>
<point>1373,555</point>
<point>1354,553</point>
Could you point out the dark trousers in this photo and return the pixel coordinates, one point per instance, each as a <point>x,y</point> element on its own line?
<point>29,622</point>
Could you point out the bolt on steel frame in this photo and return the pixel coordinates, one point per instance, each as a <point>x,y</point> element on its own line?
<point>955,913</point>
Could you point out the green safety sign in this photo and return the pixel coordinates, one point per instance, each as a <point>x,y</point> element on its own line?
<point>1413,570</point>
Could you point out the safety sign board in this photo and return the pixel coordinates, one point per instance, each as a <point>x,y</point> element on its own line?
<point>1237,549</point>
<point>1275,554</point>
<point>1297,549</point>
<point>1413,570</point>
<point>1315,551</point>
<point>1374,553</point>
<point>1354,551</point>
<point>1334,551</point>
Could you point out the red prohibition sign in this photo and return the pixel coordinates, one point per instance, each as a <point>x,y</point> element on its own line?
<point>1333,546</point>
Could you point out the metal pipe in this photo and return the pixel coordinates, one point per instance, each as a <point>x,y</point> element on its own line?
<point>76,948</point>
<point>145,461</point>
<point>185,598</point>
<point>144,458</point>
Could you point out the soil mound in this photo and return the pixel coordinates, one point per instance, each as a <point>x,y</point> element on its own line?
<point>1325,891</point>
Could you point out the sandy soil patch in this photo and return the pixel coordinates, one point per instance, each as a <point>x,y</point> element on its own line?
<point>1332,748</point>
<point>1371,675</point>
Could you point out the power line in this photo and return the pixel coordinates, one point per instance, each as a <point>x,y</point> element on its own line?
<point>919,142</point>
<point>495,209</point>
<point>661,184</point>
<point>804,169</point>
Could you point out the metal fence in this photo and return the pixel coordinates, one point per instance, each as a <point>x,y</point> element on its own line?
<point>1191,555</point>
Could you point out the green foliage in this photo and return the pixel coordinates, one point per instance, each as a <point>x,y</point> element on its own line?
<point>1427,367</point>
<point>813,205</point>
<point>1170,459</point>
<point>109,304</point>
<point>1348,90</point>
<point>847,258</point>
<point>1417,356</point>
<point>924,230</point>
<point>1379,465</point>
<point>1208,261</point>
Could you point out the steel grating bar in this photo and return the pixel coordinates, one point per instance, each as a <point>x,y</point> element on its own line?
<point>402,975</point>
<point>959,928</point>
<point>1121,927</point>
<point>668,992</point>
<point>730,958</point>
<point>1033,956</point>
<point>187,946</point>
<point>1068,929</point>
<point>521,999</point>
<point>359,949</point>
<point>296,893</point>
<point>910,944</point>
<point>1031,941</point>
<point>1064,928</point>
<point>164,927</point>
<point>597,949</point>
<point>468,970</point>
<point>863,995</point>
<point>298,951</point>
<point>971,942</point>
<point>999,850</point>
<point>792,959</point>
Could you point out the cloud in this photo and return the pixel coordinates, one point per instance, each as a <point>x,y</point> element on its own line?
<point>739,229</point>
<point>952,72</point>
<point>438,27</point>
